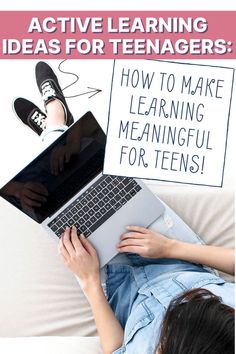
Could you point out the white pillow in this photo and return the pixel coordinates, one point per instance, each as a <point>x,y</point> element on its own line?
<point>50,345</point>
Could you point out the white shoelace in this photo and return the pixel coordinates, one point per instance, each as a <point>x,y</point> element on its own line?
<point>39,119</point>
<point>47,91</point>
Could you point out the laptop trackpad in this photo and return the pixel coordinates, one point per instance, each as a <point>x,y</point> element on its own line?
<point>136,212</point>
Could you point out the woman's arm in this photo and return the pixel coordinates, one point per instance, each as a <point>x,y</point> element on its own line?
<point>109,329</point>
<point>219,258</point>
<point>81,258</point>
<point>151,244</point>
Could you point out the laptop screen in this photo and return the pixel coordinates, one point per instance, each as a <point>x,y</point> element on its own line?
<point>60,171</point>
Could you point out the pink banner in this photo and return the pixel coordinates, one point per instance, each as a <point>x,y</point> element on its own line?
<point>117,34</point>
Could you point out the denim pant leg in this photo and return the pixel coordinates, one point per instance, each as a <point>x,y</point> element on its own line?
<point>50,134</point>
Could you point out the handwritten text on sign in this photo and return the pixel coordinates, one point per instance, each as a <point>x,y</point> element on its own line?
<point>168,121</point>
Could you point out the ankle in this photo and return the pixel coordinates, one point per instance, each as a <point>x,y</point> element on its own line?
<point>55,113</point>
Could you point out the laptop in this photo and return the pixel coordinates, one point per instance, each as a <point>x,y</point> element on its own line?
<point>64,186</point>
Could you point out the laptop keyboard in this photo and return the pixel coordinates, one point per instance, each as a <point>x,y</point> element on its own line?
<point>97,204</point>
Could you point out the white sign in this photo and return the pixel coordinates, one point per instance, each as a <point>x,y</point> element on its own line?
<point>168,121</point>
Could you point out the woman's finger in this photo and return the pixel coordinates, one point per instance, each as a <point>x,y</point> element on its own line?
<point>87,245</point>
<point>136,235</point>
<point>131,242</point>
<point>67,242</point>
<point>130,249</point>
<point>141,229</point>
<point>76,240</point>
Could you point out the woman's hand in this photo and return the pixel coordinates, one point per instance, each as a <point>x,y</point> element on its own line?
<point>151,244</point>
<point>80,257</point>
<point>144,242</point>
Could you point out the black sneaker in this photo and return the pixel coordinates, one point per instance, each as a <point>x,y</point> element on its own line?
<point>50,89</point>
<point>30,114</point>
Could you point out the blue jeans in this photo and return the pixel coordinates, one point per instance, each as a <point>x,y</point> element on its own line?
<point>50,134</point>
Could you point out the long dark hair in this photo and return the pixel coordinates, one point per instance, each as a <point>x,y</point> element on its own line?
<point>197,323</point>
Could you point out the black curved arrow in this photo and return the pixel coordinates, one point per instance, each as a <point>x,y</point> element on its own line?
<point>94,91</point>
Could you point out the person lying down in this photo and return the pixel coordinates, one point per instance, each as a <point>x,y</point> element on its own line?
<point>164,301</point>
